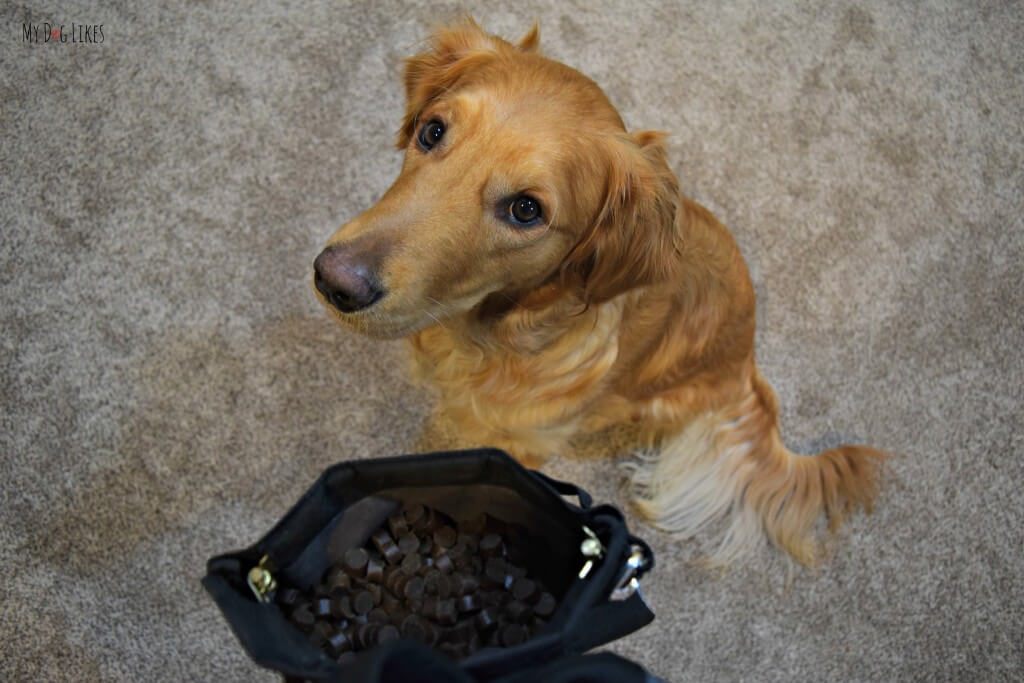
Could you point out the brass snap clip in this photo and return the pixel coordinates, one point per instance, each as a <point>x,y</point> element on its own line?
<point>261,579</point>
<point>592,549</point>
<point>628,583</point>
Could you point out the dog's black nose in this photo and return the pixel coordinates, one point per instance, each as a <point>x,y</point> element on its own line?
<point>346,283</point>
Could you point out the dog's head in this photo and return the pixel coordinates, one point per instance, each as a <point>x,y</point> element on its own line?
<point>518,174</point>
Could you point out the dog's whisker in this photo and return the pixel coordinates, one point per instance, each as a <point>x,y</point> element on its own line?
<point>439,304</point>
<point>432,316</point>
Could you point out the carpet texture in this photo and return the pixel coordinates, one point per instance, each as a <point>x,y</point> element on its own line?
<point>170,386</point>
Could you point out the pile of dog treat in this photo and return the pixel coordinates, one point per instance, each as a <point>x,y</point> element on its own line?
<point>454,587</point>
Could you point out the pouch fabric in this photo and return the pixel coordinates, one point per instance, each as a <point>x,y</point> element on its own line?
<point>350,500</point>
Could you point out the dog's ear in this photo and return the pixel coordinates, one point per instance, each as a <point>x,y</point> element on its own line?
<point>453,51</point>
<point>531,41</point>
<point>634,240</point>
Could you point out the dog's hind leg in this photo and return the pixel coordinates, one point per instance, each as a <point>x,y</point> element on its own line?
<point>730,466</point>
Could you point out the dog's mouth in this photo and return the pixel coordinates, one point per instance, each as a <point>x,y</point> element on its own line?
<point>364,299</point>
<point>368,316</point>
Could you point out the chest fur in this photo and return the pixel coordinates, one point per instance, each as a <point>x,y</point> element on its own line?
<point>536,368</point>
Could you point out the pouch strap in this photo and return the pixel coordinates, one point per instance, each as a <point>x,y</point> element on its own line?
<point>565,488</point>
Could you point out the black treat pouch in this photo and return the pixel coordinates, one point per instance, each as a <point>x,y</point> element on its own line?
<point>583,554</point>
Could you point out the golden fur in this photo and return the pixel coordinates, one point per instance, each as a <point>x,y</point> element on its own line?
<point>628,303</point>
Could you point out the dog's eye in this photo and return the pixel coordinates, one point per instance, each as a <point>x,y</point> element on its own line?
<point>524,210</point>
<point>430,134</point>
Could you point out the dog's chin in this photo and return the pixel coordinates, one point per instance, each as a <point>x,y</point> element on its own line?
<point>380,324</point>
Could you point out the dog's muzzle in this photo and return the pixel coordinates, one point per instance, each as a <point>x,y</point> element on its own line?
<point>349,285</point>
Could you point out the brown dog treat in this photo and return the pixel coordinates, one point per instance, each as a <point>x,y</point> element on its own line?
<point>378,616</point>
<point>459,551</point>
<point>354,562</point>
<point>374,589</point>
<point>391,604</point>
<point>460,639</point>
<point>417,628</point>
<point>398,526</point>
<point>321,607</point>
<point>491,545</point>
<point>375,569</point>
<point>545,606</point>
<point>471,542</point>
<point>447,615</point>
<point>444,536</point>
<point>430,581</point>
<point>381,539</point>
<point>409,544</point>
<point>514,634</point>
<point>341,607</point>
<point>338,593</point>
<point>467,583</point>
<point>414,628</point>
<point>443,587</point>
<point>516,571</point>
<point>486,619</point>
<point>413,589</point>
<point>320,633</point>
<point>339,642</point>
<point>443,563</point>
<point>473,525</point>
<point>363,602</point>
<point>469,603</point>
<point>337,578</point>
<point>392,554</point>
<point>518,612</point>
<point>396,582</point>
<point>494,573</point>
<point>428,607</point>
<point>414,515</point>
<point>411,564</point>
<point>366,635</point>
<point>526,590</point>
<point>431,520</point>
<point>494,598</point>
<point>465,561</point>
<point>462,629</point>
<point>302,616</point>
<point>387,632</point>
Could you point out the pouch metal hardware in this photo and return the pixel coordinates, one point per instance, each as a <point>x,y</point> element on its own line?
<point>592,549</point>
<point>628,583</point>
<point>261,579</point>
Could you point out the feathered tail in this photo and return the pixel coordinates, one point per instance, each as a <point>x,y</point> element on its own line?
<point>731,467</point>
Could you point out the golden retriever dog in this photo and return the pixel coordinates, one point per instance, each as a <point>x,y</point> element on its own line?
<point>551,279</point>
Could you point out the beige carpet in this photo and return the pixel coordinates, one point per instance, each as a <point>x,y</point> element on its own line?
<point>169,385</point>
